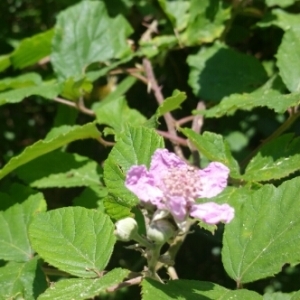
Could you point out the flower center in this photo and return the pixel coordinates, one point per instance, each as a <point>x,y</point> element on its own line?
<point>183,182</point>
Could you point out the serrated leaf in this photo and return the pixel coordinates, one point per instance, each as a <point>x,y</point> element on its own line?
<point>91,197</point>
<point>60,169</point>
<point>85,34</point>
<point>74,239</point>
<point>218,71</point>
<point>171,103</point>
<point>45,90</point>
<point>135,146</point>
<point>4,62</point>
<point>288,59</point>
<point>33,49</point>
<point>58,137</point>
<point>192,290</point>
<point>213,147</point>
<point>275,160</point>
<point>115,209</point>
<point>264,234</point>
<point>70,289</point>
<point>14,222</point>
<point>206,21</point>
<point>273,100</point>
<point>22,280</point>
<point>281,3</point>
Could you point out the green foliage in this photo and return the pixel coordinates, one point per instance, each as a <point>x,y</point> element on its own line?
<point>101,38</point>
<point>89,89</point>
<point>262,236</point>
<point>219,71</point>
<point>69,289</point>
<point>85,236</point>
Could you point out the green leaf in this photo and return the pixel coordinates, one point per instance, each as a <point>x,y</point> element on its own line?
<point>296,296</point>
<point>85,34</point>
<point>26,80</point>
<point>171,103</point>
<point>288,59</point>
<point>280,18</point>
<point>213,147</point>
<point>177,12</point>
<point>74,239</point>
<point>73,90</point>
<point>261,97</point>
<point>135,146</point>
<point>279,296</point>
<point>206,21</point>
<point>60,169</point>
<point>56,139</point>
<point>22,280</point>
<point>281,3</point>
<point>4,62</point>
<point>14,222</point>
<point>70,289</point>
<point>263,234</point>
<point>275,160</point>
<point>115,209</point>
<point>218,71</point>
<point>91,197</point>
<point>32,49</point>
<point>116,113</point>
<point>45,90</point>
<point>192,290</point>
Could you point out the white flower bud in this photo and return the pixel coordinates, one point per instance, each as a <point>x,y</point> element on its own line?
<point>160,231</point>
<point>126,229</point>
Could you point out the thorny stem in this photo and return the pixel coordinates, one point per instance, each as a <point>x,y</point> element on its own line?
<point>284,126</point>
<point>129,282</point>
<point>170,122</point>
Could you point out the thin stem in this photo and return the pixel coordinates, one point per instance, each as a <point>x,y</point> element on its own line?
<point>129,282</point>
<point>170,122</point>
<point>177,139</point>
<point>184,120</point>
<point>79,106</point>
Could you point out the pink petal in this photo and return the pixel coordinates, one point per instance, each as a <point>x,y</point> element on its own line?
<point>177,207</point>
<point>162,161</point>
<point>141,183</point>
<point>213,179</point>
<point>212,213</point>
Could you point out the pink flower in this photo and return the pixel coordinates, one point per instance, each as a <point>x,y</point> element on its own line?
<point>172,185</point>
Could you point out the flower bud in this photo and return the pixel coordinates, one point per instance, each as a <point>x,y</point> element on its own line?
<point>160,231</point>
<point>126,229</point>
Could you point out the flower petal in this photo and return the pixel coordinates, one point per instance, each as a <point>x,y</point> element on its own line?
<point>141,183</point>
<point>213,179</point>
<point>162,160</point>
<point>177,206</point>
<point>212,213</point>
